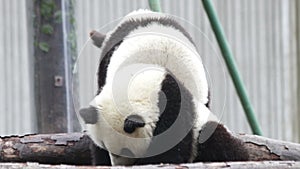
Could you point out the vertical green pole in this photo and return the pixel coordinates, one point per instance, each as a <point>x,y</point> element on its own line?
<point>296,125</point>
<point>231,65</point>
<point>154,5</point>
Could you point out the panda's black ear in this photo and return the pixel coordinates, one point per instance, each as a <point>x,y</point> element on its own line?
<point>89,115</point>
<point>97,38</point>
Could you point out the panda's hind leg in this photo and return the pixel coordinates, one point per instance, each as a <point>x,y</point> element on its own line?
<point>220,146</point>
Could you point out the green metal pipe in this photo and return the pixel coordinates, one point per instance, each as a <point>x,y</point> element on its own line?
<point>231,65</point>
<point>154,5</point>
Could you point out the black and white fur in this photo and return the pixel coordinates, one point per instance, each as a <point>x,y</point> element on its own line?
<point>174,91</point>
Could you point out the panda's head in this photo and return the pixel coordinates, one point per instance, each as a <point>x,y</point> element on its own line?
<point>125,118</point>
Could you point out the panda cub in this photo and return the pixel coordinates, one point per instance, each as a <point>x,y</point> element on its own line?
<point>152,103</point>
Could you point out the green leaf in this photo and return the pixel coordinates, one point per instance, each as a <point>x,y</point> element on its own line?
<point>35,44</point>
<point>47,29</point>
<point>72,20</point>
<point>58,16</point>
<point>44,46</point>
<point>47,8</point>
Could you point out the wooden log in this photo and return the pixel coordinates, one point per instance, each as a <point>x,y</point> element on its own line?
<point>73,148</point>
<point>219,165</point>
<point>262,148</point>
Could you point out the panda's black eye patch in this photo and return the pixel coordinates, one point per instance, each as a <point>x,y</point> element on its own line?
<point>132,122</point>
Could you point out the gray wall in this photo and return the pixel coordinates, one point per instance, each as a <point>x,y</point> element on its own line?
<point>262,35</point>
<point>16,104</point>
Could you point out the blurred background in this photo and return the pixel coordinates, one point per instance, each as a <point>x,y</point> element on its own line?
<point>48,65</point>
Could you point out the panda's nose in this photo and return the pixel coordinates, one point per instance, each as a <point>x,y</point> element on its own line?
<point>132,122</point>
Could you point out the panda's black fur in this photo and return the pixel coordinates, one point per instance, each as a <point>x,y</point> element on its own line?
<point>221,145</point>
<point>174,98</point>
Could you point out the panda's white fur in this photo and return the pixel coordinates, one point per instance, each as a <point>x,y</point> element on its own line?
<point>170,49</point>
<point>164,51</point>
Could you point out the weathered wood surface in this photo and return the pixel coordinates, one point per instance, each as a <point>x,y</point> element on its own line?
<point>262,148</point>
<point>221,165</point>
<point>73,148</point>
<point>70,148</point>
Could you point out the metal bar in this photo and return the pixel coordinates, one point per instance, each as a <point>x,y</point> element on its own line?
<point>231,65</point>
<point>154,5</point>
